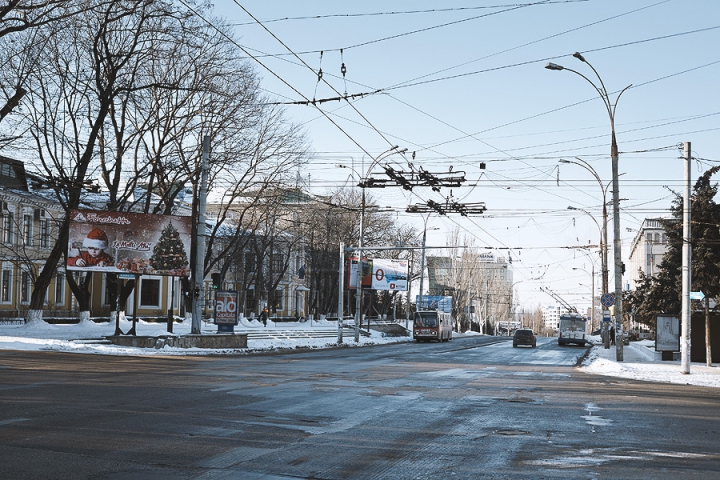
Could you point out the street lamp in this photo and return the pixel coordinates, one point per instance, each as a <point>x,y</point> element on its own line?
<point>610,107</point>
<point>422,265</point>
<point>358,284</point>
<point>592,295</point>
<point>603,230</point>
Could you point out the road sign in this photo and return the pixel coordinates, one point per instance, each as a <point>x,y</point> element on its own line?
<point>608,299</point>
<point>697,295</point>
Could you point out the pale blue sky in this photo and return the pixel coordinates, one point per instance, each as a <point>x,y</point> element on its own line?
<point>502,108</point>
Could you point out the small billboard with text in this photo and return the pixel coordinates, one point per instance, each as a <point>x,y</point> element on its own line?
<point>226,307</point>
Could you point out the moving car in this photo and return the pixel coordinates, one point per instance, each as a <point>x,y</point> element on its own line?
<point>524,336</point>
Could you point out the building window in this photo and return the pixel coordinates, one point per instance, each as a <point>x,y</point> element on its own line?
<point>249,298</point>
<point>108,292</point>
<point>7,170</point>
<point>27,230</point>
<point>250,262</point>
<point>6,292</point>
<point>8,227</point>
<point>25,285</point>
<point>277,263</point>
<point>150,292</point>
<point>44,234</point>
<point>60,289</point>
<point>278,303</point>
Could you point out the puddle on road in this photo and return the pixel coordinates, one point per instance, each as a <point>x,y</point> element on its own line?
<point>595,420</point>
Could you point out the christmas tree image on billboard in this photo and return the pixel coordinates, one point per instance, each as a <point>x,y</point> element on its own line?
<point>169,253</point>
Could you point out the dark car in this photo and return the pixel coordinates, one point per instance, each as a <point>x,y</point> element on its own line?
<point>524,336</point>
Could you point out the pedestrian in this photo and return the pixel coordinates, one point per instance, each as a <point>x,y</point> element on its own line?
<point>264,316</point>
<point>612,335</point>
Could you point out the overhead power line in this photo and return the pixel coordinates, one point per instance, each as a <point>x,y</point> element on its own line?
<point>413,32</point>
<point>402,12</point>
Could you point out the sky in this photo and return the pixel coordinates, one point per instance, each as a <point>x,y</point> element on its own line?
<point>639,364</point>
<point>462,85</point>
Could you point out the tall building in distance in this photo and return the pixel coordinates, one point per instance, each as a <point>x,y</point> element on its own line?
<point>551,315</point>
<point>481,286</point>
<point>646,250</point>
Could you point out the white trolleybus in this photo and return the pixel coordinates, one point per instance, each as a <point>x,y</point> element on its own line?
<point>572,329</point>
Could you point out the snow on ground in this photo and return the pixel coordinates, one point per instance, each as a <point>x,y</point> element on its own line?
<point>639,357</point>
<point>80,338</point>
<point>639,363</point>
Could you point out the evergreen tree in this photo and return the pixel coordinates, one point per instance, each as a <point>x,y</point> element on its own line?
<point>169,253</point>
<point>662,293</point>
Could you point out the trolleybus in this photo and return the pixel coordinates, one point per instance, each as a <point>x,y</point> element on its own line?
<point>432,325</point>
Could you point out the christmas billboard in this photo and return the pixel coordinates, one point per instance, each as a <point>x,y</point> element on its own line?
<point>129,243</point>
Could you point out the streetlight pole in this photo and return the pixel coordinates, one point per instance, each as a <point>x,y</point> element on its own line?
<point>603,230</point>
<point>358,283</point>
<point>592,295</point>
<point>422,264</point>
<point>610,107</point>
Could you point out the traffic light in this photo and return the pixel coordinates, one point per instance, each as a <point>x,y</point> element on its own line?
<point>215,280</point>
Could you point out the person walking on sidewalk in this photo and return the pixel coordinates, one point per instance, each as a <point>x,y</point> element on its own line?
<point>264,316</point>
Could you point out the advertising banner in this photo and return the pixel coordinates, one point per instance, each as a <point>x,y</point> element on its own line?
<point>379,274</point>
<point>135,243</point>
<point>352,273</point>
<point>226,307</point>
<point>440,303</point>
<point>389,274</point>
<point>667,329</point>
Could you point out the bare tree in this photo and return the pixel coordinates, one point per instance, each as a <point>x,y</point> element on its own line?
<point>19,21</point>
<point>70,96</point>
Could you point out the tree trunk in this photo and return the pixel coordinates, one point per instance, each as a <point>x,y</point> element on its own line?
<point>37,298</point>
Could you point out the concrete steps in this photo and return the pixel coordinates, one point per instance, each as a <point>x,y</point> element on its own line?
<point>290,334</point>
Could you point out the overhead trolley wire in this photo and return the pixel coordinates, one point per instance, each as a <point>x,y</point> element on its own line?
<point>402,12</point>
<point>404,34</point>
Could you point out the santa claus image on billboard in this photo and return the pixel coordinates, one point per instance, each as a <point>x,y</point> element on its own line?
<point>95,254</point>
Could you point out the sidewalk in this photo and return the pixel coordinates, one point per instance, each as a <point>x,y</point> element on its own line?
<point>639,363</point>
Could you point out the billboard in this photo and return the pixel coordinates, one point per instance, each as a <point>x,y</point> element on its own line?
<point>389,274</point>
<point>351,275</point>
<point>667,333</point>
<point>440,303</point>
<point>121,242</point>
<point>226,307</point>
<point>379,274</point>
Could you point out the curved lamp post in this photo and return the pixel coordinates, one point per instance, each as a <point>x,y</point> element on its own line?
<point>603,230</point>
<point>358,284</point>
<point>610,107</point>
<point>592,295</point>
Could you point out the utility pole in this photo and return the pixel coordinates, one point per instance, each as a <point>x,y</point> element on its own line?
<point>686,271</point>
<point>199,271</point>
<point>341,282</point>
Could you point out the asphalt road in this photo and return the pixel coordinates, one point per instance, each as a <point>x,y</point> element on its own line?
<point>470,408</point>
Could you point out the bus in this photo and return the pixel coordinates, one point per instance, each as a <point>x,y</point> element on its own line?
<point>432,325</point>
<point>572,329</point>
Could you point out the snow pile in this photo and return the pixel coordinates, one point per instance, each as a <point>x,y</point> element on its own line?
<point>639,363</point>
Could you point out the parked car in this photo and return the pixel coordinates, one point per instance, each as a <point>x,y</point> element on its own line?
<point>524,336</point>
